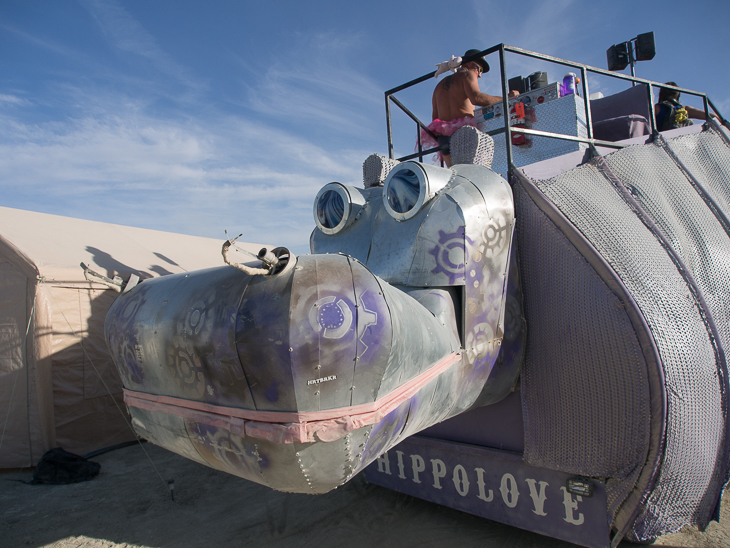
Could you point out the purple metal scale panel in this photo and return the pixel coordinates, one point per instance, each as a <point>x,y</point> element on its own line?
<point>323,332</point>
<point>262,342</point>
<point>496,485</point>
<point>374,332</point>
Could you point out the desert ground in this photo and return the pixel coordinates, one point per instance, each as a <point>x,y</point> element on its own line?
<point>129,504</point>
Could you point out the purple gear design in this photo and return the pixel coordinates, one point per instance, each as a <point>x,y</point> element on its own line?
<point>447,242</point>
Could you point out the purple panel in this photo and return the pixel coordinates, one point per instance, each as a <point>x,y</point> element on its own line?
<point>497,426</point>
<point>262,342</point>
<point>631,101</point>
<point>621,128</point>
<point>323,328</point>
<point>175,336</point>
<point>496,485</point>
<point>122,336</point>
<point>225,451</point>
<point>374,332</point>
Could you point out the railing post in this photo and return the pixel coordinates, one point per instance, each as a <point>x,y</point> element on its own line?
<point>722,120</point>
<point>389,128</point>
<point>505,107</point>
<point>586,101</point>
<point>632,61</point>
<point>420,144</point>
<point>652,116</point>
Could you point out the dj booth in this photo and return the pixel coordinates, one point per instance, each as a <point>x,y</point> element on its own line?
<point>545,110</point>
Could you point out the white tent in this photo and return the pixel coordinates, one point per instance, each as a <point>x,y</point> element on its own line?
<point>56,375</point>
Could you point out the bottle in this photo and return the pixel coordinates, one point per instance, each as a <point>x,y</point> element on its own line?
<point>569,82</point>
<point>518,119</point>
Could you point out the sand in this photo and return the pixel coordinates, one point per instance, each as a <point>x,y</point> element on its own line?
<point>129,504</point>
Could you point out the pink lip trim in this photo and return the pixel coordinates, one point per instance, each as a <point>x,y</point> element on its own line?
<point>284,427</point>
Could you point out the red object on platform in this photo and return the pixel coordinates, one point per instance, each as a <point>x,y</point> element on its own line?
<point>517,113</point>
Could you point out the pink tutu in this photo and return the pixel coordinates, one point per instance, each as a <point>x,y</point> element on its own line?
<point>441,127</point>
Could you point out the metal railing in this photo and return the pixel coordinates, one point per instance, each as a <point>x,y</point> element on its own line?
<point>508,130</point>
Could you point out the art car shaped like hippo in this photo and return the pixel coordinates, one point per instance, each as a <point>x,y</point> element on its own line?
<point>299,374</point>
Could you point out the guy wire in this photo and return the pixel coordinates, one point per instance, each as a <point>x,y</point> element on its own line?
<point>107,389</point>
<point>17,371</point>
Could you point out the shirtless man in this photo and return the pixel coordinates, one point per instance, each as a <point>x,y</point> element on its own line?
<point>453,103</point>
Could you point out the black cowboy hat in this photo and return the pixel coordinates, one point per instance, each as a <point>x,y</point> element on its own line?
<point>478,60</point>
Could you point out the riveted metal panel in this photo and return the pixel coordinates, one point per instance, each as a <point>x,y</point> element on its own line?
<point>225,451</point>
<point>438,259</point>
<point>323,329</point>
<point>374,332</point>
<point>328,465</point>
<point>383,434</point>
<point>393,244</point>
<point>175,336</point>
<point>419,340</point>
<point>279,465</point>
<point>443,303</point>
<point>506,369</point>
<point>434,402</point>
<point>168,431</point>
<point>262,341</point>
<point>487,206</point>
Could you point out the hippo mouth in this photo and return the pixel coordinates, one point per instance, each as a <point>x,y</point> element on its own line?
<point>282,427</point>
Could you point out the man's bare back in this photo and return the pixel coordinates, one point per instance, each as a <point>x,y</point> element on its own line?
<point>453,104</point>
<point>456,95</point>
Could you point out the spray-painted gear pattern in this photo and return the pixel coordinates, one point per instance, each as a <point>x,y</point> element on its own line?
<point>450,249</point>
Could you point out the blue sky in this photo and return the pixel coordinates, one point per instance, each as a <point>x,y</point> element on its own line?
<point>196,117</point>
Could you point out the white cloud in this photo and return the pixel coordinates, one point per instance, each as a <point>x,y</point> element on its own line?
<point>128,35</point>
<point>109,154</point>
<point>44,43</point>
<point>193,176</point>
<point>317,85</point>
<point>6,99</point>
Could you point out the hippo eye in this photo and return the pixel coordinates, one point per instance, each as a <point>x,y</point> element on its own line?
<point>336,207</point>
<point>330,209</point>
<point>403,191</point>
<point>410,186</point>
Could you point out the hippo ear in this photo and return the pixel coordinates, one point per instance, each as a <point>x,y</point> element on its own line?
<point>471,146</point>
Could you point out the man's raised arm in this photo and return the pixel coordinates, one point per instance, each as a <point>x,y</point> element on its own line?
<point>471,87</point>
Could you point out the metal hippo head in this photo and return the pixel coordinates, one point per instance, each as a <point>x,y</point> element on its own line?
<point>426,227</point>
<point>299,377</point>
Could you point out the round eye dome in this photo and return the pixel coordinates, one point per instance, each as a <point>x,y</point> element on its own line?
<point>403,191</point>
<point>330,209</point>
<point>336,207</point>
<point>410,185</point>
